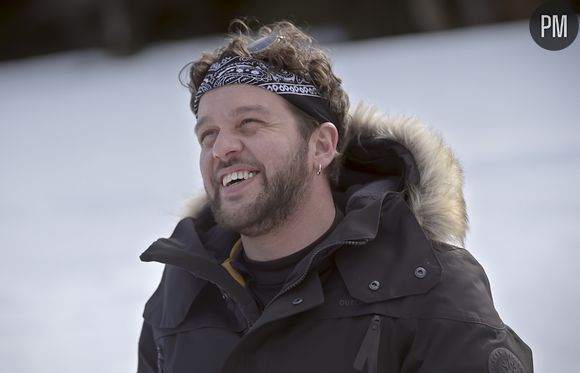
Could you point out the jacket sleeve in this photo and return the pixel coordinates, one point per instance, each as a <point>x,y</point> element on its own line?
<point>454,347</point>
<point>147,361</point>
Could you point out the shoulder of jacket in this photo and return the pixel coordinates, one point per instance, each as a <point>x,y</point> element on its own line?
<point>463,292</point>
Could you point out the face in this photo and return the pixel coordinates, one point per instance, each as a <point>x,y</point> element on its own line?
<point>254,163</point>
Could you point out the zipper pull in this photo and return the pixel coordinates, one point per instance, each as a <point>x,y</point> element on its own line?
<point>159,359</point>
<point>369,349</point>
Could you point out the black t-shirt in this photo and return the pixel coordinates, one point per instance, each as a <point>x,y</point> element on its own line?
<point>265,279</point>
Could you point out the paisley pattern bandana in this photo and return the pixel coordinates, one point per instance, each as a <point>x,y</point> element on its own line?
<point>246,70</point>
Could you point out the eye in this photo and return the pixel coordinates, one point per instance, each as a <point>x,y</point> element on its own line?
<point>250,123</point>
<point>247,121</point>
<point>207,138</point>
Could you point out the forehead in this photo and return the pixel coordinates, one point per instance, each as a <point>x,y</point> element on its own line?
<point>227,100</point>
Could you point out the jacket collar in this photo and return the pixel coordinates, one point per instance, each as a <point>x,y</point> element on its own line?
<point>185,255</point>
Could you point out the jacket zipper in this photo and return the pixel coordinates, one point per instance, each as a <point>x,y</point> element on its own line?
<point>369,349</point>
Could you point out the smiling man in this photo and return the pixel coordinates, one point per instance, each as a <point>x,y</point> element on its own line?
<point>258,170</point>
<point>325,242</point>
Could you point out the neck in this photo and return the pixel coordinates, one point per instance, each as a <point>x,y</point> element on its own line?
<point>311,219</point>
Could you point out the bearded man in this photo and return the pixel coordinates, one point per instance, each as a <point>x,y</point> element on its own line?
<point>326,241</point>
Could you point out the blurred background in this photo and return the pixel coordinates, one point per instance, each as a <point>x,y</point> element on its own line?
<point>98,155</point>
<point>32,27</point>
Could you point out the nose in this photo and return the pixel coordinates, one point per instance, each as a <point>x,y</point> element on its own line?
<point>225,145</point>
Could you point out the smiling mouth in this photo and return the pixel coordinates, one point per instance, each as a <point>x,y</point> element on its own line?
<point>236,177</point>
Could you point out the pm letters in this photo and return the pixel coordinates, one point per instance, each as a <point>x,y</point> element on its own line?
<point>558,25</point>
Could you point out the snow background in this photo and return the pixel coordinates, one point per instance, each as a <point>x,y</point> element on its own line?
<point>97,155</point>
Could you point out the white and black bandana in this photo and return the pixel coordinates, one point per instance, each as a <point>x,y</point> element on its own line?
<point>246,70</point>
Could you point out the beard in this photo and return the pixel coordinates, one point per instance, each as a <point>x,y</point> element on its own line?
<point>278,200</point>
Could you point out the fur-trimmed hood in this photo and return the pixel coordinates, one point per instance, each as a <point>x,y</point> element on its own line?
<point>381,146</point>
<point>431,175</point>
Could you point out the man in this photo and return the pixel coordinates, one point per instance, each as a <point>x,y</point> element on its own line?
<point>325,241</point>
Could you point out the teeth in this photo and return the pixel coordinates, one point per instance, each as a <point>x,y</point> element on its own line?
<point>239,175</point>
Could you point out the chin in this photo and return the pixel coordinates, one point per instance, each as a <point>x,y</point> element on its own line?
<point>230,214</point>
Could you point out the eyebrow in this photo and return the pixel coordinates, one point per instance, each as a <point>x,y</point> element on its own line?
<point>237,111</point>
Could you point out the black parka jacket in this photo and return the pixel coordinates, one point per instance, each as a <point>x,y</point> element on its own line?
<point>384,292</point>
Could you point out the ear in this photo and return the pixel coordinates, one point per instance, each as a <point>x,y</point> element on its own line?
<point>324,140</point>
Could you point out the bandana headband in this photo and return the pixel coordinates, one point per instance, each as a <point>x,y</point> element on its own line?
<point>244,70</point>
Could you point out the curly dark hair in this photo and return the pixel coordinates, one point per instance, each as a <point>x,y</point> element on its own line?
<point>293,50</point>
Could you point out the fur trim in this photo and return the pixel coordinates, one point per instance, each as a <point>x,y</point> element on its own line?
<point>437,202</point>
<point>195,204</point>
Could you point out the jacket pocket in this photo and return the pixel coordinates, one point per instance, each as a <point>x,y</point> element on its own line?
<point>369,349</point>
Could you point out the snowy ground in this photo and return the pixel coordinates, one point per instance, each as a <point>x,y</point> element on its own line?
<point>97,155</point>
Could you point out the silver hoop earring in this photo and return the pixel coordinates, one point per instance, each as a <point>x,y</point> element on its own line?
<point>319,171</point>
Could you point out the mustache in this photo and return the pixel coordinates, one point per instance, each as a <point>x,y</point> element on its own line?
<point>236,160</point>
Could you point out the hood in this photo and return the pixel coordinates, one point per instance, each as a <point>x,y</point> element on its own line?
<point>382,146</point>
<point>429,172</point>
